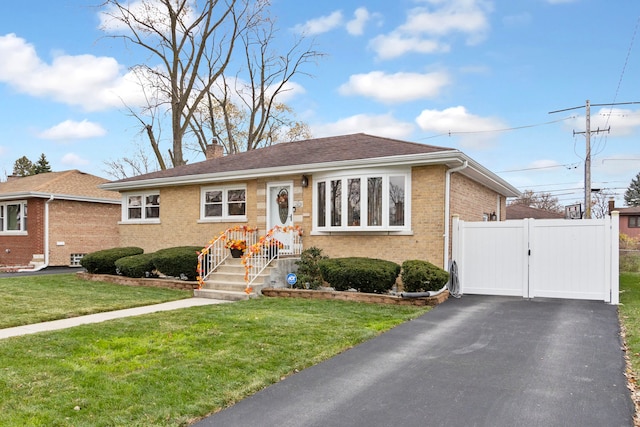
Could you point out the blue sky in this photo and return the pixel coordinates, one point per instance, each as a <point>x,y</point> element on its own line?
<point>477,75</point>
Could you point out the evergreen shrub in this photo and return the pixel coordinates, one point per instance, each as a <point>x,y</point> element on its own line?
<point>103,261</point>
<point>422,276</point>
<point>363,274</point>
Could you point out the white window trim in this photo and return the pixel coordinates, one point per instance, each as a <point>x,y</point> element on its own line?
<point>225,205</point>
<point>363,175</point>
<point>125,209</point>
<point>22,231</point>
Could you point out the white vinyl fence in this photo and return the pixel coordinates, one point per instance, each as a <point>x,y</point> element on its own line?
<point>553,258</point>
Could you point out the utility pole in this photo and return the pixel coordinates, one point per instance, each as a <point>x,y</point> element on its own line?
<point>587,160</point>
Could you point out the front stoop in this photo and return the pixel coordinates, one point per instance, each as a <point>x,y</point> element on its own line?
<point>227,283</point>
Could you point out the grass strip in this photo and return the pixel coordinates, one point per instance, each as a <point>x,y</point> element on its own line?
<point>171,368</point>
<point>34,299</point>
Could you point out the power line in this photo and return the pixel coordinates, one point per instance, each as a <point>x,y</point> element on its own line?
<point>451,133</point>
<point>568,166</point>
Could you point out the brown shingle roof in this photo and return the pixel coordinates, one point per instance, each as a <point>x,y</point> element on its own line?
<point>66,183</point>
<point>522,212</point>
<point>307,152</point>
<point>633,210</point>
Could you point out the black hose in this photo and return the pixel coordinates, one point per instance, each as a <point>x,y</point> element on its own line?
<point>454,283</point>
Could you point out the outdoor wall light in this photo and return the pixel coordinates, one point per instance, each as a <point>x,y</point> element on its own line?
<point>305,181</point>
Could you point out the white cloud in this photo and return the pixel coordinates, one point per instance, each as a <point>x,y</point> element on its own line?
<point>93,83</point>
<point>72,159</point>
<point>621,122</point>
<point>473,131</point>
<point>398,87</point>
<point>361,16</point>
<point>320,25</point>
<point>70,129</point>
<point>382,125</point>
<point>426,26</point>
<point>396,44</point>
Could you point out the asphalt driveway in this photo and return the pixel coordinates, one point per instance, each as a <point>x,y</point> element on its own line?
<point>476,361</point>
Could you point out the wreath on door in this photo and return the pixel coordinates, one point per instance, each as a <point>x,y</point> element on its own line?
<point>282,199</point>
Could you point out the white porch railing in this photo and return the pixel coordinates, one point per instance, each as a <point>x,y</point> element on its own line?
<point>258,256</point>
<point>216,252</point>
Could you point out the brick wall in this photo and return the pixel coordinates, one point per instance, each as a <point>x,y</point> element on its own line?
<point>81,228</point>
<point>19,250</point>
<point>180,212</point>
<point>625,229</point>
<point>179,220</point>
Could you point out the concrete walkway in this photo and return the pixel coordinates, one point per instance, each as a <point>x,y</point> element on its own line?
<point>101,317</point>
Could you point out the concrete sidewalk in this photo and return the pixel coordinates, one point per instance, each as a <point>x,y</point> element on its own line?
<point>108,315</point>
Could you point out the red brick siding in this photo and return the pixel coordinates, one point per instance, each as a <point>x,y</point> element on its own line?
<point>19,250</point>
<point>625,229</point>
<point>81,227</point>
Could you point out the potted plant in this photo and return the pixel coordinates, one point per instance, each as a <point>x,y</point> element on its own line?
<point>236,246</point>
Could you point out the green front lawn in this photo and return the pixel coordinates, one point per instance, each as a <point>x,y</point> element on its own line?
<point>172,368</point>
<point>33,299</point>
<point>630,316</point>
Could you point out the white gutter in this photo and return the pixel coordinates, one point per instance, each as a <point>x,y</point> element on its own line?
<point>447,207</point>
<point>46,238</point>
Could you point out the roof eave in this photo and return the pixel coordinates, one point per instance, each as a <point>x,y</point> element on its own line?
<point>69,197</point>
<point>450,158</point>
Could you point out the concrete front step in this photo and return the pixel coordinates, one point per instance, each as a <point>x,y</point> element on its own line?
<point>227,282</point>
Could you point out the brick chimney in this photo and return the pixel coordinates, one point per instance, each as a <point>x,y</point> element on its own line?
<point>612,205</point>
<point>214,151</point>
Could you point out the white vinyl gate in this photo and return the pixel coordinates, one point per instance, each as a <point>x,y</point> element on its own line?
<point>552,258</point>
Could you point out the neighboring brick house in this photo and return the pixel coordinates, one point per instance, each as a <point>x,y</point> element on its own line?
<point>54,218</point>
<point>353,195</point>
<point>630,221</point>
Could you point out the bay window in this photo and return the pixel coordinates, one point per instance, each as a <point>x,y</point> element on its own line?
<point>371,201</point>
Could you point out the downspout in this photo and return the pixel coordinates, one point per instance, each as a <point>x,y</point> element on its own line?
<point>447,208</point>
<point>46,237</point>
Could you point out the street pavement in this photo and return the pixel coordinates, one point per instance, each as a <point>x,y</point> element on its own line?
<point>474,361</point>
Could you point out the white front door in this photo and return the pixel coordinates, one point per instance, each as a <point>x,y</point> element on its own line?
<point>280,211</point>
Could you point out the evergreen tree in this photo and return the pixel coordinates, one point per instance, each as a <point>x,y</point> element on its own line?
<point>23,167</point>
<point>42,165</point>
<point>632,195</point>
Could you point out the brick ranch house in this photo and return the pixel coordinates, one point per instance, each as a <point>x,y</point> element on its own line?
<point>55,218</point>
<point>352,195</point>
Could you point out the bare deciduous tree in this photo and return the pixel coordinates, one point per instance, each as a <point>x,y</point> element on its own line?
<point>194,47</point>
<point>544,201</point>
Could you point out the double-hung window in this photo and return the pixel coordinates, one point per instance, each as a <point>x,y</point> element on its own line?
<point>142,207</point>
<point>223,203</point>
<point>13,217</point>
<point>369,201</point>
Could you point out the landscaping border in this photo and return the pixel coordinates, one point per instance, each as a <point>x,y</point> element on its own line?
<point>355,296</point>
<point>130,281</point>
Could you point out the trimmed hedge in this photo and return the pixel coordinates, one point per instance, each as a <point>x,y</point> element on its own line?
<point>422,276</point>
<point>180,261</point>
<point>363,274</point>
<point>136,265</point>
<point>103,262</point>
